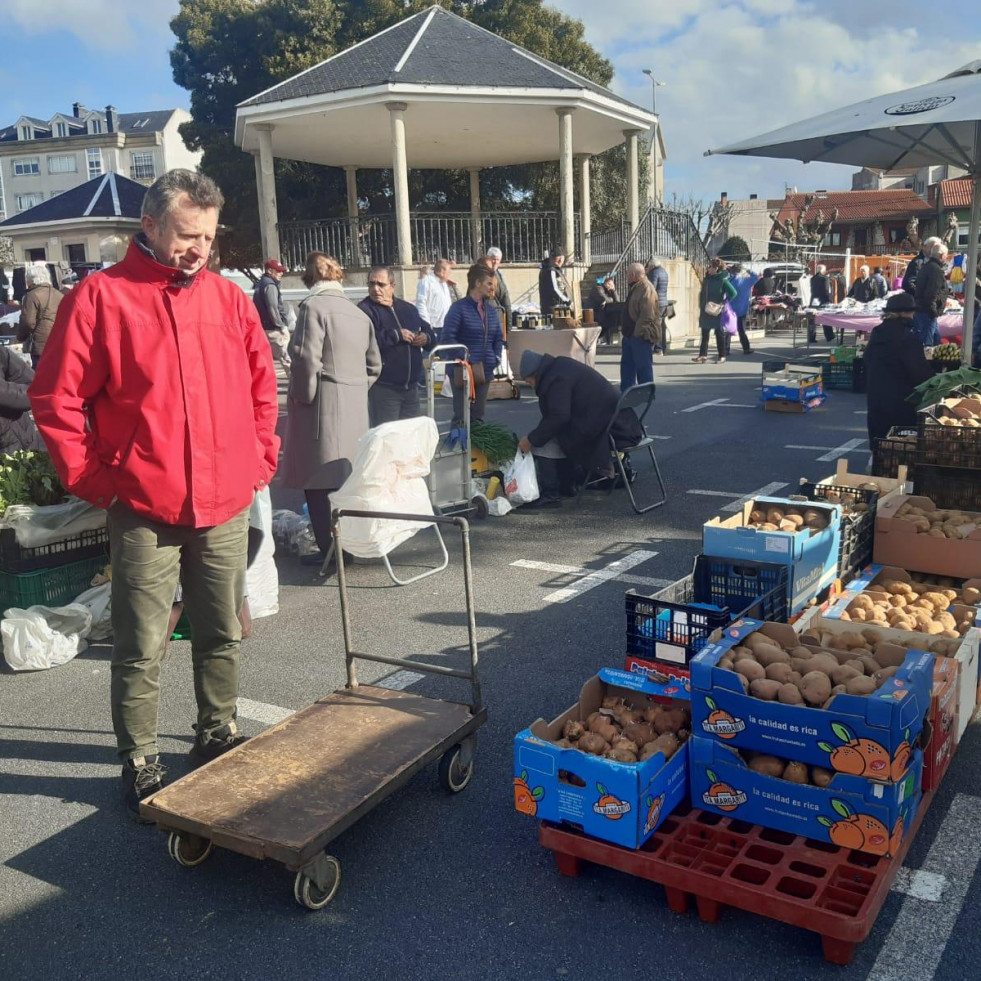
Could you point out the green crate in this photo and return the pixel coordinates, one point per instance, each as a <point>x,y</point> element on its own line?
<point>49,587</point>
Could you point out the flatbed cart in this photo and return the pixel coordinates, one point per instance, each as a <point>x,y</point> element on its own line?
<point>288,792</point>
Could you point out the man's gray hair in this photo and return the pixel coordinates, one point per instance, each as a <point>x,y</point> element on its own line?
<point>494,253</point>
<point>37,275</point>
<point>636,269</point>
<point>653,262</point>
<point>160,197</point>
<point>388,270</point>
<point>821,270</point>
<point>937,249</point>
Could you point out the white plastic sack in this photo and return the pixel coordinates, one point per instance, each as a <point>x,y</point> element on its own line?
<point>441,379</point>
<point>389,471</point>
<point>35,526</point>
<point>499,507</point>
<point>97,601</point>
<point>520,480</point>
<point>262,577</point>
<point>293,533</point>
<point>43,637</point>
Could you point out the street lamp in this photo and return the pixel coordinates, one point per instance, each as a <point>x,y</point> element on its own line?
<point>649,72</point>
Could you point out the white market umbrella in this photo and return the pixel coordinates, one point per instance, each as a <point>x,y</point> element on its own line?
<point>936,123</point>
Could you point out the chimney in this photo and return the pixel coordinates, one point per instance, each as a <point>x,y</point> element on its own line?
<point>112,119</point>
<point>724,198</point>
<point>77,109</point>
<point>753,197</point>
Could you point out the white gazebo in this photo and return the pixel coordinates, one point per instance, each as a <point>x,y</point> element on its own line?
<point>436,91</point>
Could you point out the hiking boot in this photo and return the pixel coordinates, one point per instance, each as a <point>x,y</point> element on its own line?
<point>142,777</point>
<point>209,746</point>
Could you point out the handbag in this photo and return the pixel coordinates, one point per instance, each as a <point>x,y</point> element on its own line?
<point>712,308</point>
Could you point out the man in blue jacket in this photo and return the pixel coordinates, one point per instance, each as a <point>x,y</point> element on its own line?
<point>402,336</point>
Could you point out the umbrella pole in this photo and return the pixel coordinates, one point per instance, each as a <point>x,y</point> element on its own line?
<point>971,273</point>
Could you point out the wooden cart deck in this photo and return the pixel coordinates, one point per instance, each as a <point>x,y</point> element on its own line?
<point>289,791</point>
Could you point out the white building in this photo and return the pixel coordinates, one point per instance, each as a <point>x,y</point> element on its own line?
<point>42,158</point>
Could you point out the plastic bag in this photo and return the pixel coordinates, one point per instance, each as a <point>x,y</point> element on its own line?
<point>293,533</point>
<point>43,637</point>
<point>97,601</point>
<point>499,506</point>
<point>35,526</point>
<point>729,320</point>
<point>261,577</point>
<point>520,480</point>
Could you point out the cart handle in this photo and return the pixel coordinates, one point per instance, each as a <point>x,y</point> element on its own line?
<point>449,347</point>
<point>350,655</point>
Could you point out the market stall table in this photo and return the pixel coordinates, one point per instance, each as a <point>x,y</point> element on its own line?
<point>578,343</point>
<point>951,324</point>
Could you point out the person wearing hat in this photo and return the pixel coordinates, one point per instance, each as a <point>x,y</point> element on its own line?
<point>502,297</point>
<point>553,287</point>
<point>268,300</point>
<point>577,404</point>
<point>894,366</point>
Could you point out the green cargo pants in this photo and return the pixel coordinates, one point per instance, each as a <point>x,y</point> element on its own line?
<point>147,558</point>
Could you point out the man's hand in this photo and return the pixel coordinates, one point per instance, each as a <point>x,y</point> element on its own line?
<point>524,445</point>
<point>419,340</point>
<point>408,336</point>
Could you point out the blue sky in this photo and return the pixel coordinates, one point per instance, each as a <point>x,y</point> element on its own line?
<point>732,68</point>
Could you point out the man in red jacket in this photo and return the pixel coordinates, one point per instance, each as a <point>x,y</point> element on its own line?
<point>157,400</point>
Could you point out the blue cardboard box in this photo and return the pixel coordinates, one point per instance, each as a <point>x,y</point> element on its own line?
<point>795,383</point>
<point>812,557</point>
<point>851,812</point>
<point>861,735</point>
<point>619,802</point>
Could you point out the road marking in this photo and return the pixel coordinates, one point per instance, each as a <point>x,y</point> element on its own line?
<point>915,945</point>
<point>798,446</point>
<point>861,412</point>
<point>400,680</point>
<point>841,450</point>
<point>724,403</point>
<point>737,505</point>
<point>612,571</point>
<point>920,884</point>
<point>262,712</point>
<point>575,570</point>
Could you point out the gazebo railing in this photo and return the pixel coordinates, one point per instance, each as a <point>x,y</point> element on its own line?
<point>523,236</point>
<point>607,246</point>
<point>667,234</point>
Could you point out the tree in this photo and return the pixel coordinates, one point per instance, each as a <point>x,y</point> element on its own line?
<point>228,50</point>
<point>709,217</point>
<point>735,249</point>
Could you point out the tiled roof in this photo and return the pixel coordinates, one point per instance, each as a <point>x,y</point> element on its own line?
<point>854,206</point>
<point>144,122</point>
<point>434,47</point>
<point>128,122</point>
<point>109,196</point>
<point>956,193</point>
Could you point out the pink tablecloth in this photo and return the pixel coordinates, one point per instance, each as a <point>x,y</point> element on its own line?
<point>951,324</point>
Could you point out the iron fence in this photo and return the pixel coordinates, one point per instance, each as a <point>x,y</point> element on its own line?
<point>667,234</point>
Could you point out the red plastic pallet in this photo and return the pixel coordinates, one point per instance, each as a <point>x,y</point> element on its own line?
<point>721,862</point>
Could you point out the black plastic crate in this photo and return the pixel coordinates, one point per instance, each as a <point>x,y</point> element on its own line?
<point>673,625</point>
<point>895,450</point>
<point>857,527</point>
<point>947,446</point>
<point>950,487</point>
<point>858,375</point>
<point>84,545</point>
<point>838,375</point>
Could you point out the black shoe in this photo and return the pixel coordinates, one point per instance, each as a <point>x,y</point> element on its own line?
<point>142,777</point>
<point>748,350</point>
<point>542,504</point>
<point>214,744</point>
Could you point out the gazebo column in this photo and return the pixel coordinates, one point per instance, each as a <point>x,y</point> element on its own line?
<point>585,207</point>
<point>351,177</point>
<point>258,189</point>
<point>476,246</point>
<point>400,173</point>
<point>633,180</point>
<point>566,199</point>
<point>269,217</point>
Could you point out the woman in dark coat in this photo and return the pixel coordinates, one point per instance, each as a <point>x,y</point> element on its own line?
<point>716,288</point>
<point>335,361</point>
<point>17,429</point>
<point>894,366</point>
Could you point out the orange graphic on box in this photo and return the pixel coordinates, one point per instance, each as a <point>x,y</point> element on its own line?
<point>861,832</point>
<point>525,798</point>
<point>722,795</point>
<point>654,806</point>
<point>720,723</point>
<point>866,757</point>
<point>609,806</point>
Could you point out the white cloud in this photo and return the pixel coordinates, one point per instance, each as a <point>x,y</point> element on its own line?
<point>742,67</point>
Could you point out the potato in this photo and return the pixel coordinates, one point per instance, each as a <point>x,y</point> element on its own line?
<point>837,690</point>
<point>862,685</point>
<point>622,742</point>
<point>593,717</point>
<point>774,515</point>
<point>824,663</point>
<point>667,743</point>
<point>592,743</point>
<point>673,719</point>
<point>857,663</point>
<point>611,702</point>
<point>607,733</point>
<point>789,694</point>
<point>756,516</point>
<point>770,766</point>
<point>653,712</point>
<point>726,663</point>
<point>802,652</point>
<point>821,777</point>
<point>795,518</point>
<point>788,526</point>
<point>573,730</point>
<point>621,756</point>
<point>843,672</point>
<point>764,688</point>
<point>752,670</point>
<point>769,526</point>
<point>639,733</point>
<point>772,655</point>
<point>970,596</point>
<point>795,773</point>
<point>815,686</point>
<point>779,671</point>
<point>880,677</point>
<point>564,744</point>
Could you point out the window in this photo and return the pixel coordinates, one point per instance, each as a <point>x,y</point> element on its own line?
<point>26,166</point>
<point>861,239</point>
<point>61,129</point>
<point>75,254</point>
<point>834,238</point>
<point>95,125</point>
<point>63,163</point>
<point>25,133</point>
<point>34,255</point>
<point>25,201</point>
<point>896,235</point>
<point>964,236</point>
<point>94,157</point>
<point>141,167</point>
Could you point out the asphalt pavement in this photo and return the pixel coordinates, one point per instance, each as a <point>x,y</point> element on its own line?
<point>438,886</point>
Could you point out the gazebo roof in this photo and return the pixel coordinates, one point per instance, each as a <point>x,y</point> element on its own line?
<point>111,196</point>
<point>449,72</point>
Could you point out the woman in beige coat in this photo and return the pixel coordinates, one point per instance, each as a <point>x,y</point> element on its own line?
<point>335,361</point>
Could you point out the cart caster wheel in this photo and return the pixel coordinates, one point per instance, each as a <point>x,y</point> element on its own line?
<point>307,893</point>
<point>188,850</point>
<point>479,506</point>
<point>453,775</point>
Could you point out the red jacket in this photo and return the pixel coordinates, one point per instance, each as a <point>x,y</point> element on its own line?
<point>160,395</point>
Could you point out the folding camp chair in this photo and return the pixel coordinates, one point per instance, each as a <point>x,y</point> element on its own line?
<point>639,398</point>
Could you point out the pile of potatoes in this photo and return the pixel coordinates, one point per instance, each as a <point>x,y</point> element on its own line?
<point>961,416</point>
<point>627,734</point>
<point>938,523</point>
<point>951,588</point>
<point>913,606</point>
<point>851,503</point>
<point>864,642</point>
<point>774,517</point>
<point>801,675</point>
<point>774,766</point>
